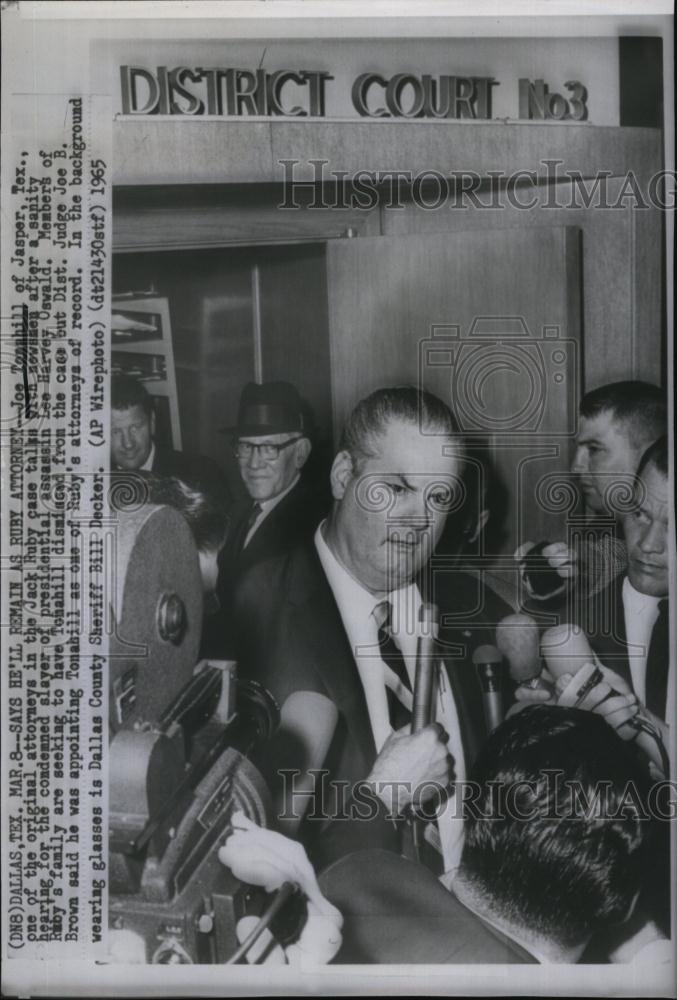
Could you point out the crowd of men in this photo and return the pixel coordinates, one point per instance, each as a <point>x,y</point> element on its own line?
<point>328,605</point>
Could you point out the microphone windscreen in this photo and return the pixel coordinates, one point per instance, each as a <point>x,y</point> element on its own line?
<point>486,654</point>
<point>517,639</point>
<point>566,649</point>
<point>312,718</point>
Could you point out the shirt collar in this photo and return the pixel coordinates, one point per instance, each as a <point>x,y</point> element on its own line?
<point>148,464</point>
<point>354,599</point>
<point>348,592</point>
<point>637,603</point>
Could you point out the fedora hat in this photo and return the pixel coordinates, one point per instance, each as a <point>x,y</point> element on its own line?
<point>270,408</point>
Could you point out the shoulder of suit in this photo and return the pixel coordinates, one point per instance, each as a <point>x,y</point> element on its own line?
<point>281,574</point>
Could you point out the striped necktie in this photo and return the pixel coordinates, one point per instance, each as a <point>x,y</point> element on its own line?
<point>391,655</point>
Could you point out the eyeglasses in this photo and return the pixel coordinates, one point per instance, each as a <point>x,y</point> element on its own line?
<point>266,451</point>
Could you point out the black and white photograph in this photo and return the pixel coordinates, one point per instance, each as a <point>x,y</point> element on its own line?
<point>337,498</point>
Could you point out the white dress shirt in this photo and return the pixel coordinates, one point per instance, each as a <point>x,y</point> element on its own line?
<point>640,612</point>
<point>356,607</point>
<point>266,507</point>
<point>148,464</point>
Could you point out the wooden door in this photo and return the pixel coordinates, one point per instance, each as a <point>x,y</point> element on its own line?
<point>490,322</point>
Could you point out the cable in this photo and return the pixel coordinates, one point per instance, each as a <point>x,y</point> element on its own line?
<point>642,725</point>
<point>280,898</point>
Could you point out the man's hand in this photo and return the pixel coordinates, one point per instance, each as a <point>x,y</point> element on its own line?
<point>562,558</point>
<point>266,858</point>
<point>612,697</point>
<point>525,695</point>
<point>559,557</point>
<point>411,767</point>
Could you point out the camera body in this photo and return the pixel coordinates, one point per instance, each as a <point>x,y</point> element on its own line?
<point>182,757</point>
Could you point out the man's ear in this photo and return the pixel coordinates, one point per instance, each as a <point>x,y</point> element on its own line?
<point>302,451</point>
<point>479,526</point>
<point>341,474</point>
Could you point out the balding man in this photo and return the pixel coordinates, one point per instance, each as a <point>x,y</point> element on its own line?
<point>332,628</point>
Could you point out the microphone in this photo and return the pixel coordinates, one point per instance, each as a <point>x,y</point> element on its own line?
<point>307,725</point>
<point>421,713</point>
<point>566,649</point>
<point>517,638</point>
<point>543,580</point>
<point>488,660</point>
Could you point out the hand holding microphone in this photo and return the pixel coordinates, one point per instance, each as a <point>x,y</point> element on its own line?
<point>546,568</point>
<point>414,762</point>
<point>584,683</point>
<point>610,697</point>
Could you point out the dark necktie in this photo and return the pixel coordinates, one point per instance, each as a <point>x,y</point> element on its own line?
<point>391,654</point>
<point>251,520</point>
<point>657,663</point>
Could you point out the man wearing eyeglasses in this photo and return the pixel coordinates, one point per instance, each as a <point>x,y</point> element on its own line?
<point>271,444</point>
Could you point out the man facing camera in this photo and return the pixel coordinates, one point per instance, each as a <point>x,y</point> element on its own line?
<point>272,445</point>
<point>134,448</point>
<point>332,630</point>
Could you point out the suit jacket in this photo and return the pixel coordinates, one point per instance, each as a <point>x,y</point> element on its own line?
<point>396,912</point>
<point>294,518</point>
<point>290,637</point>
<point>603,619</point>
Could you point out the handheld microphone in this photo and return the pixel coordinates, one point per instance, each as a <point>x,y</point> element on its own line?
<point>421,714</point>
<point>488,660</point>
<point>541,577</point>
<point>566,649</point>
<point>308,722</point>
<point>517,638</point>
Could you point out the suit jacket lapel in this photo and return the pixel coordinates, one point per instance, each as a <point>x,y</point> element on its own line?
<point>466,691</point>
<point>315,613</point>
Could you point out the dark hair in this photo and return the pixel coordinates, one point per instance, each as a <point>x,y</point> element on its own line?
<point>561,869</point>
<point>372,415</point>
<point>657,455</point>
<point>127,392</point>
<point>204,513</point>
<point>639,405</point>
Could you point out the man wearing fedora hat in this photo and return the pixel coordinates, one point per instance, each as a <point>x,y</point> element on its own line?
<point>272,444</point>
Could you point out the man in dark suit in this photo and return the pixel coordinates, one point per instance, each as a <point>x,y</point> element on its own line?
<point>332,629</point>
<point>617,422</point>
<point>627,623</point>
<point>272,445</point>
<point>133,446</point>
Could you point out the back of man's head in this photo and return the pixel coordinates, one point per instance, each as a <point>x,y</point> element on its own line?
<point>639,408</point>
<point>407,404</point>
<point>555,847</point>
<point>127,392</point>
<point>656,455</point>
